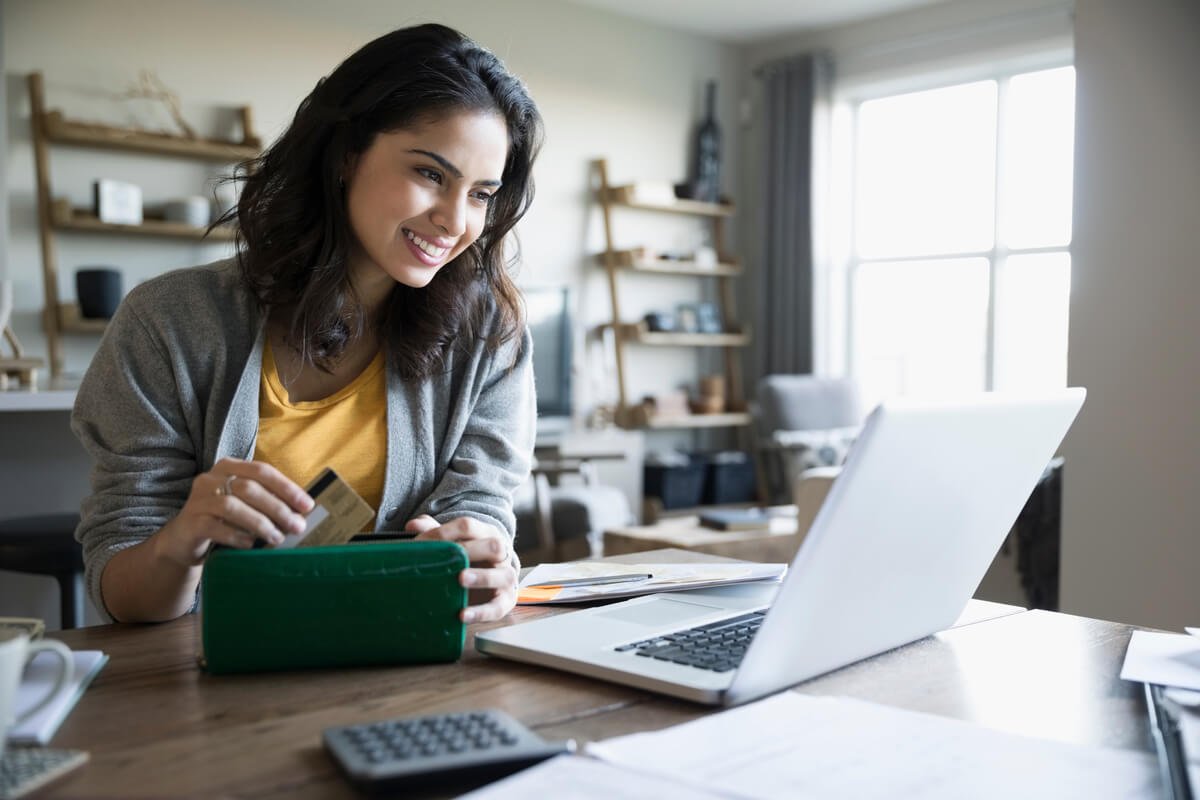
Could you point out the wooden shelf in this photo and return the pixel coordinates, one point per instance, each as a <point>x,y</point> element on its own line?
<point>63,131</point>
<point>70,320</point>
<point>56,215</point>
<point>731,419</point>
<point>668,410</point>
<point>627,196</point>
<point>634,260</point>
<point>639,333</point>
<point>75,219</point>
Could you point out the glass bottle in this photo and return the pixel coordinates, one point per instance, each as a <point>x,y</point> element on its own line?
<point>707,182</point>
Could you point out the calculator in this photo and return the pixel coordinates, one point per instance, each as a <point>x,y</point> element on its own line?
<point>450,749</point>
<point>26,769</point>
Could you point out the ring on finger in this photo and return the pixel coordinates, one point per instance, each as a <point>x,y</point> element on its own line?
<point>226,488</point>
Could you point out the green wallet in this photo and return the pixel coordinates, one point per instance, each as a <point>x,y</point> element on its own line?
<point>344,605</point>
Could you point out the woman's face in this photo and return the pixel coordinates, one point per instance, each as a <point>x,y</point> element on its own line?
<point>418,197</point>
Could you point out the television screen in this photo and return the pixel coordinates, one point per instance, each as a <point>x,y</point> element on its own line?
<point>549,317</point>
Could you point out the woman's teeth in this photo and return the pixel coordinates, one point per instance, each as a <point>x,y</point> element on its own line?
<point>432,251</point>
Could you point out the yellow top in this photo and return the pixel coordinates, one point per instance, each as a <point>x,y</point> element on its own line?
<point>346,431</point>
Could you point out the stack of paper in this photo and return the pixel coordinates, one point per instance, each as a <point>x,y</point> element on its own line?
<point>37,680</point>
<point>545,582</point>
<point>1172,659</point>
<point>793,745</point>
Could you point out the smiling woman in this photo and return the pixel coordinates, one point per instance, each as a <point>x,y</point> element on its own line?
<point>367,323</point>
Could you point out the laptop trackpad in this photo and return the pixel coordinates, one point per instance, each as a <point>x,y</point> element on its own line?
<point>659,611</point>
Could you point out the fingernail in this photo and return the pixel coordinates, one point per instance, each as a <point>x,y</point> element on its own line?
<point>468,616</point>
<point>296,524</point>
<point>469,578</point>
<point>496,546</point>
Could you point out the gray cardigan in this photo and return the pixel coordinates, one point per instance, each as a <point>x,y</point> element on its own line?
<point>174,387</point>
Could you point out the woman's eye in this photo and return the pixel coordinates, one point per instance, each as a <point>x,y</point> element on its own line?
<point>432,175</point>
<point>484,197</point>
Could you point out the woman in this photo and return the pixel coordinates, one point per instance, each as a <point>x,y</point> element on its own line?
<point>367,323</point>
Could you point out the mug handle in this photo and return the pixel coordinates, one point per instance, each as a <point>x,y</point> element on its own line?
<point>65,672</point>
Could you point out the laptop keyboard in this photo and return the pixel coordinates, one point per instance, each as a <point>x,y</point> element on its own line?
<point>718,646</point>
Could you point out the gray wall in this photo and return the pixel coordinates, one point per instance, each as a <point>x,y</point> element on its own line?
<point>1131,544</point>
<point>3,161</point>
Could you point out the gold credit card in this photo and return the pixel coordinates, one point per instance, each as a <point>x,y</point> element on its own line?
<point>337,516</point>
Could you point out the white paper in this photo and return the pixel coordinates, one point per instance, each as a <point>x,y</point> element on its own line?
<point>1185,698</point>
<point>667,578</point>
<point>793,745</point>
<point>1193,631</point>
<point>1170,659</point>
<point>37,680</point>
<point>1189,736</point>
<point>576,778</point>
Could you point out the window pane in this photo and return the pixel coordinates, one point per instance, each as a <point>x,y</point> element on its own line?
<point>926,166</point>
<point>1039,134</point>
<point>1031,322</point>
<point>920,327</point>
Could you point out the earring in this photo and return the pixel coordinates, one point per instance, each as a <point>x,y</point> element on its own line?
<point>342,182</point>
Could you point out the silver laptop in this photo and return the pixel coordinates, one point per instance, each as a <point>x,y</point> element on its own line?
<point>911,524</point>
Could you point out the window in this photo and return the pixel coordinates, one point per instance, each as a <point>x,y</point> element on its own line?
<point>957,265</point>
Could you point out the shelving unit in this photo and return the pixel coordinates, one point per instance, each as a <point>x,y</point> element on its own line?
<point>56,215</point>
<point>727,268</point>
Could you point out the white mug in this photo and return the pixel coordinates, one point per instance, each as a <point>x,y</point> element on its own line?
<point>16,650</point>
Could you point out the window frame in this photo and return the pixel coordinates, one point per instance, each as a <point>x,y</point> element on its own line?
<point>833,312</point>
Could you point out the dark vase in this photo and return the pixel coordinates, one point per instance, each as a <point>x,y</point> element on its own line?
<point>706,183</point>
<point>98,290</point>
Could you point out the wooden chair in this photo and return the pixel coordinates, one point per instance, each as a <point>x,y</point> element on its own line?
<point>564,522</point>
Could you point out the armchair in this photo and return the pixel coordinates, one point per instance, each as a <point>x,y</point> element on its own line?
<point>803,422</point>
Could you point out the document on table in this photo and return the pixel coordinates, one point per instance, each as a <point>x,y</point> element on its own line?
<point>541,584</point>
<point>1169,659</point>
<point>578,778</point>
<point>793,745</point>
<point>37,681</point>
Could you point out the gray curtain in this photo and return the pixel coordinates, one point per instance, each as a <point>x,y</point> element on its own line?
<point>793,90</point>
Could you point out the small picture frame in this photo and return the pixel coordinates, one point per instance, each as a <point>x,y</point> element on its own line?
<point>117,202</point>
<point>686,318</point>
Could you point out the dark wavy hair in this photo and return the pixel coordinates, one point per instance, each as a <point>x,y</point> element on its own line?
<point>294,234</point>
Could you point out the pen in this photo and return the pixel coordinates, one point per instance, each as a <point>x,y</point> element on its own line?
<point>596,581</point>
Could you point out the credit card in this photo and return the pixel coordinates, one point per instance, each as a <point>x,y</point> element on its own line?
<point>338,515</point>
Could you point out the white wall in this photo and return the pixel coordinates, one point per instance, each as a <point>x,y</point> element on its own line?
<point>1131,544</point>
<point>607,87</point>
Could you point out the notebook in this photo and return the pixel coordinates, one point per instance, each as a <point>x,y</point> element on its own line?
<point>37,680</point>
<point>927,495</point>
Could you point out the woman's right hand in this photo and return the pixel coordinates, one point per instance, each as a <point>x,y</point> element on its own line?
<point>233,504</point>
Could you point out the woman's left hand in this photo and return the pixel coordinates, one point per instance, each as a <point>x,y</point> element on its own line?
<point>492,576</point>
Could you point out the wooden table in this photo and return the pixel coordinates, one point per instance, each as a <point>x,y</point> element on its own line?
<point>774,544</point>
<point>157,726</point>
